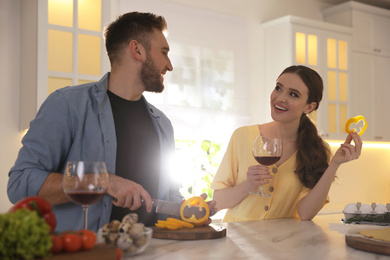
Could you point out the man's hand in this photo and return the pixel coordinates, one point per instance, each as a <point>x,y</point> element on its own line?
<point>128,194</point>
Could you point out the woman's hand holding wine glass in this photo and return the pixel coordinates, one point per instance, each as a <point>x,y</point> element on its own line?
<point>85,183</point>
<point>267,151</point>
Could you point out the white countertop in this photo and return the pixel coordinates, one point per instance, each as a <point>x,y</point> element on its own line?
<point>279,239</point>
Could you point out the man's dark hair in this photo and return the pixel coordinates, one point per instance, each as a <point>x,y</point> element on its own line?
<point>131,26</point>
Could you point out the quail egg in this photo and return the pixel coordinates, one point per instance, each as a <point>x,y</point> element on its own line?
<point>380,209</point>
<point>366,209</point>
<point>350,208</point>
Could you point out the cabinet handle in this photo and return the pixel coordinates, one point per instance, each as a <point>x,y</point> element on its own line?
<point>378,137</point>
<point>324,135</point>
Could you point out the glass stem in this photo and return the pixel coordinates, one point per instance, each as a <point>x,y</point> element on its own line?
<point>85,217</point>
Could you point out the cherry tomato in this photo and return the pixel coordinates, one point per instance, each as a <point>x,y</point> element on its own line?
<point>58,244</point>
<point>72,241</point>
<point>119,254</point>
<point>88,239</point>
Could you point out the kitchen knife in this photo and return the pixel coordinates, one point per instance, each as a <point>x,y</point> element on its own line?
<point>171,208</point>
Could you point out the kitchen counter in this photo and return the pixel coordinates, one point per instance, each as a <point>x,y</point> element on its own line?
<point>279,239</point>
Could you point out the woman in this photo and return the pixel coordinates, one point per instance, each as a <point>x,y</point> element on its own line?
<point>300,181</point>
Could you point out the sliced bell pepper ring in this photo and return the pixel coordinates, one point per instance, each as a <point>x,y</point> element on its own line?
<point>356,120</point>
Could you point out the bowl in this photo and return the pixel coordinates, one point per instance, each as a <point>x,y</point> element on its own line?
<point>140,242</point>
<point>130,243</point>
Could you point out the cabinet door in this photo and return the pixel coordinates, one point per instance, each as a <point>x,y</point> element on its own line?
<point>381,98</point>
<point>306,42</point>
<point>371,33</point>
<point>332,63</point>
<point>370,93</point>
<point>381,35</point>
<point>362,98</point>
<point>328,53</point>
<point>362,35</point>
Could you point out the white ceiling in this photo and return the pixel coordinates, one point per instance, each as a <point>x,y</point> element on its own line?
<point>379,3</point>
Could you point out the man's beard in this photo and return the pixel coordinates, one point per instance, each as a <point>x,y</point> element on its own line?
<point>150,76</point>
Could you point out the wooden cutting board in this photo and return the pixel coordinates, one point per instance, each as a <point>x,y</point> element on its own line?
<point>99,252</point>
<point>197,233</point>
<point>369,245</point>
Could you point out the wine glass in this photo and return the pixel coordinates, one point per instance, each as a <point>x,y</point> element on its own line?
<point>85,182</point>
<point>266,151</point>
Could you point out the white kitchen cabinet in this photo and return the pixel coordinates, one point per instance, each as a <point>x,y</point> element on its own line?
<point>370,80</point>
<point>377,28</point>
<point>371,25</point>
<point>381,104</point>
<point>322,46</point>
<point>370,75</point>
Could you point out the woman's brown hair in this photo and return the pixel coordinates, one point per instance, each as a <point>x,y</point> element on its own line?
<point>313,155</point>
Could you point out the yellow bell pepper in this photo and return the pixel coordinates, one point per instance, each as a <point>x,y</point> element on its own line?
<point>356,120</point>
<point>195,211</point>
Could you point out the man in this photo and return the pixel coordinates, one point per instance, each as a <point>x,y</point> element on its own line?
<point>109,121</point>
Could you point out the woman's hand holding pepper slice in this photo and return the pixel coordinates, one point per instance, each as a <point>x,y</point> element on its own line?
<point>347,151</point>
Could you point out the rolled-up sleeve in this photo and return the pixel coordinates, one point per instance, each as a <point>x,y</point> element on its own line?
<point>43,149</point>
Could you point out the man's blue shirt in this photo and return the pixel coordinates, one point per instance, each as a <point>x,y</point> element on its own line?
<point>76,124</point>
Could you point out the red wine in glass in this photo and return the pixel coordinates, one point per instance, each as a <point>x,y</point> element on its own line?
<point>85,183</point>
<point>85,197</point>
<point>266,151</point>
<point>267,160</point>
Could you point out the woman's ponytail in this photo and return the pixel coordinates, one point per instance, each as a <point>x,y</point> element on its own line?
<point>313,155</point>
